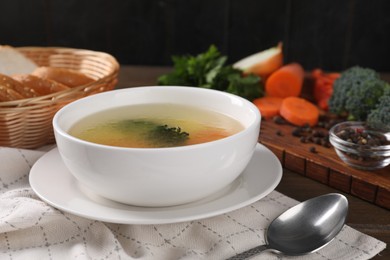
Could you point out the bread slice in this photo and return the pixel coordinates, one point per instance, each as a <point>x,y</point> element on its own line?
<point>8,94</point>
<point>14,62</point>
<point>40,85</point>
<point>24,90</point>
<point>68,77</point>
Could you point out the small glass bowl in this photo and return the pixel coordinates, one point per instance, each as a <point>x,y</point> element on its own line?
<point>370,151</point>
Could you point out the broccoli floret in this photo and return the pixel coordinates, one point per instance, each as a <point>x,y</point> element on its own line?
<point>380,117</point>
<point>363,98</point>
<point>350,79</point>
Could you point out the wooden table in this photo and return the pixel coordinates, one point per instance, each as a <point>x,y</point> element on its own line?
<point>363,216</point>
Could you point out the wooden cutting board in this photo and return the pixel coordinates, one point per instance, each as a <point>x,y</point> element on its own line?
<point>324,165</point>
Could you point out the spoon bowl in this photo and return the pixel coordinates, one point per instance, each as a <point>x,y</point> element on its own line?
<point>304,228</point>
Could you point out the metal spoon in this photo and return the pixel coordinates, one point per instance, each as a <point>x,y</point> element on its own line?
<point>304,228</point>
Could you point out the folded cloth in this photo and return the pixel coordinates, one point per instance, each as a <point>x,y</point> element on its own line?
<point>31,229</point>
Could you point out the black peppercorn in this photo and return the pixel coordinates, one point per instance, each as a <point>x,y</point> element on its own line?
<point>279,120</point>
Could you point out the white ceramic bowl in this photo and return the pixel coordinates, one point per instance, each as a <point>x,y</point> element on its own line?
<point>158,176</point>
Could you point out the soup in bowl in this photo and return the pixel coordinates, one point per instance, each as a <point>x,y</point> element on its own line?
<point>158,145</point>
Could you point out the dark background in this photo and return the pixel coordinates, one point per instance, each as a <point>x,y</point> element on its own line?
<point>331,34</point>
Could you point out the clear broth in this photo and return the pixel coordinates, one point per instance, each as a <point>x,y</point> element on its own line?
<point>155,126</point>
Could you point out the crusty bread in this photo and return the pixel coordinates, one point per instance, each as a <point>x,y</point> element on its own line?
<point>70,78</point>
<point>40,85</point>
<point>14,62</point>
<point>10,83</point>
<point>21,77</point>
<point>8,94</point>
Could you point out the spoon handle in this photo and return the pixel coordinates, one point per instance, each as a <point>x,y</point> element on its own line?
<point>249,253</point>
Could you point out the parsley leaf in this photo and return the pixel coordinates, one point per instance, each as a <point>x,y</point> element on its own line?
<point>209,70</point>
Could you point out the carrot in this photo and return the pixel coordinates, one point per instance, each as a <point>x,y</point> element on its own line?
<point>322,90</point>
<point>299,111</point>
<point>286,81</point>
<point>316,73</point>
<point>207,135</point>
<point>333,75</point>
<point>323,87</point>
<point>268,106</point>
<point>323,104</point>
<point>319,73</point>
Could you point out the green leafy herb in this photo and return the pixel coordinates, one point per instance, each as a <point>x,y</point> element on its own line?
<point>244,86</point>
<point>209,70</point>
<point>156,134</point>
<point>166,136</point>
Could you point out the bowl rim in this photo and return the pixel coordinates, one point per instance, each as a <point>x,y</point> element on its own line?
<point>256,122</point>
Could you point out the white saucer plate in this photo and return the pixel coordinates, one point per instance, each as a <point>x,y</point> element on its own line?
<point>54,184</point>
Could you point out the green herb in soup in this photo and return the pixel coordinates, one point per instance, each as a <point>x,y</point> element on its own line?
<point>154,134</point>
<point>155,126</point>
<point>163,135</point>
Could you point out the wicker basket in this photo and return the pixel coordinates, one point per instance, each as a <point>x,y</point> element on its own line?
<point>27,123</point>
